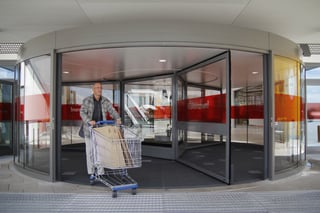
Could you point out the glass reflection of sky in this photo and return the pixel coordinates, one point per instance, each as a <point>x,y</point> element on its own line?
<point>6,74</point>
<point>313,94</point>
<point>313,73</point>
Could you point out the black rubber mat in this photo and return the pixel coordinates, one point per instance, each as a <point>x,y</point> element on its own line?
<point>154,173</point>
<point>247,166</point>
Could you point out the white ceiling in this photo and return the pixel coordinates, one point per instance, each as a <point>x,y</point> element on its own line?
<point>125,63</point>
<point>298,20</point>
<point>135,62</point>
<point>246,70</point>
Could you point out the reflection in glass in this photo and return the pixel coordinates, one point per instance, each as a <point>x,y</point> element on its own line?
<point>205,98</point>
<point>6,74</point>
<point>288,113</point>
<point>148,104</point>
<point>201,104</point>
<point>247,116</point>
<point>33,114</point>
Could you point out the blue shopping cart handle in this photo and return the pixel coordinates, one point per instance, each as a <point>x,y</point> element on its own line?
<point>106,122</point>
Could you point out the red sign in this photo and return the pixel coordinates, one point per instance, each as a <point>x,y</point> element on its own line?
<point>203,109</point>
<point>71,112</point>
<point>247,112</point>
<point>213,109</point>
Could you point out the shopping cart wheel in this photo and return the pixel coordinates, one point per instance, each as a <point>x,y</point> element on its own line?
<point>92,180</point>
<point>114,194</point>
<point>134,191</point>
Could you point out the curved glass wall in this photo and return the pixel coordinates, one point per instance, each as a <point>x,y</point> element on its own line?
<point>289,113</point>
<point>247,116</point>
<point>33,114</point>
<point>217,106</point>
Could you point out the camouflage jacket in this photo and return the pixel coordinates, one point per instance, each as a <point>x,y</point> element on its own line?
<point>86,111</point>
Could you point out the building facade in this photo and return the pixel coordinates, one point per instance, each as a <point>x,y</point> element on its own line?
<point>223,100</point>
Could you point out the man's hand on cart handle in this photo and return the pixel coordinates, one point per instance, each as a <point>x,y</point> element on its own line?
<point>110,122</point>
<point>92,123</point>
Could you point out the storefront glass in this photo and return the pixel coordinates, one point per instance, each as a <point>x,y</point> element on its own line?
<point>247,115</point>
<point>33,114</point>
<point>219,102</point>
<point>202,118</point>
<point>289,110</point>
<point>148,104</point>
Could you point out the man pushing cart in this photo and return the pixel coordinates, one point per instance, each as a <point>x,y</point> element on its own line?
<point>93,109</point>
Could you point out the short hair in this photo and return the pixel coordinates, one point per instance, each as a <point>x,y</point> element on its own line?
<point>96,83</point>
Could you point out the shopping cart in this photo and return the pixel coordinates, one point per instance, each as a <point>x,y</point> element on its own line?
<point>115,149</point>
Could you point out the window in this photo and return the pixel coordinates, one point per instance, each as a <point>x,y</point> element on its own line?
<point>33,116</point>
<point>148,104</point>
<point>288,113</point>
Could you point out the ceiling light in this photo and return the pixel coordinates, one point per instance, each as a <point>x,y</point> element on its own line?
<point>66,72</point>
<point>162,60</point>
<point>254,73</point>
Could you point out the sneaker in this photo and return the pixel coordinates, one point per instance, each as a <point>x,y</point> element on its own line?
<point>92,179</point>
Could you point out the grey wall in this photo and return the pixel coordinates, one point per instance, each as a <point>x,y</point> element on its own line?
<point>159,34</point>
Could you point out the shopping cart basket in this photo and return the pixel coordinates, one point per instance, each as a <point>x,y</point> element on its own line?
<point>116,149</point>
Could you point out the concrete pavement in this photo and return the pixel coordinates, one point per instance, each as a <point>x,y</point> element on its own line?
<point>297,193</point>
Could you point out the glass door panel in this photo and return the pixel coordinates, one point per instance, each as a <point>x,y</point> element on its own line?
<point>148,103</point>
<point>33,114</point>
<point>247,116</point>
<point>203,117</point>
<point>288,103</point>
